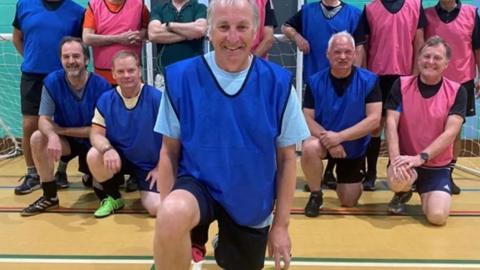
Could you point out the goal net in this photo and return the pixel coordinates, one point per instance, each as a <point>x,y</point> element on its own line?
<point>10,116</point>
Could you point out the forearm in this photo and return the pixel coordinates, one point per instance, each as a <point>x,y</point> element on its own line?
<point>267,42</point>
<point>286,180</point>
<point>98,139</point>
<point>191,30</point>
<point>93,39</point>
<point>289,31</point>
<point>47,127</point>
<point>441,143</point>
<point>158,33</point>
<point>315,128</point>
<point>77,132</point>
<point>360,58</point>
<point>17,38</point>
<point>391,131</point>
<point>477,60</point>
<point>364,127</point>
<point>417,44</point>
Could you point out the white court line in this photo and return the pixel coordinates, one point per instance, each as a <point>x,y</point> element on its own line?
<point>267,263</point>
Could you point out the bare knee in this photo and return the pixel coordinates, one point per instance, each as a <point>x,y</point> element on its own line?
<point>175,217</point>
<point>38,139</point>
<point>437,217</point>
<point>94,157</point>
<point>312,150</point>
<point>151,202</point>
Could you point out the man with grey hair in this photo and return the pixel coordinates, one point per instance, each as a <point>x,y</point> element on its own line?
<point>230,122</point>
<point>342,106</point>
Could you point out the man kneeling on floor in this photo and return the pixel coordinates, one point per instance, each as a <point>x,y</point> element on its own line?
<point>122,136</point>
<point>342,107</point>
<point>66,110</point>
<point>424,115</point>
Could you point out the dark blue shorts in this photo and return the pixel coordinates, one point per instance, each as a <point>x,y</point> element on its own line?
<point>137,172</point>
<point>80,150</point>
<point>433,179</point>
<point>239,247</point>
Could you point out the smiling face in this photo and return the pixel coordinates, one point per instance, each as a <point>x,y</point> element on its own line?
<point>127,73</point>
<point>73,60</point>
<point>432,61</point>
<point>232,33</point>
<point>341,54</point>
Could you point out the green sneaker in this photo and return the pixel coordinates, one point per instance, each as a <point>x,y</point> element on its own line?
<point>108,206</point>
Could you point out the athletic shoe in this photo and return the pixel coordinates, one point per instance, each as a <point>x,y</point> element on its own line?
<point>30,183</point>
<point>329,180</point>
<point>198,253</point>
<point>87,180</point>
<point>39,206</point>
<point>397,204</point>
<point>315,203</point>
<point>62,180</point>
<point>369,184</point>
<point>108,206</point>
<point>131,185</point>
<point>455,189</point>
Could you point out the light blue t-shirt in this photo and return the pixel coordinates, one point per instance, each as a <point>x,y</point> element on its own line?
<point>294,126</point>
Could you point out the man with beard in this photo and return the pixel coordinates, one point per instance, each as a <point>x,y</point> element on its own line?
<point>66,109</point>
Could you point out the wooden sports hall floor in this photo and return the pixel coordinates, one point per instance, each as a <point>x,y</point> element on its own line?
<point>366,237</point>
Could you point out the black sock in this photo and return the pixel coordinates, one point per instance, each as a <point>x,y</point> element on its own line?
<point>110,187</point>
<point>373,151</point>
<point>49,189</point>
<point>330,165</point>
<point>100,193</point>
<point>452,167</point>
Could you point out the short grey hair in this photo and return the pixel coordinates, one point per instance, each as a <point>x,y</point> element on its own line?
<point>435,41</point>
<point>340,34</point>
<point>214,3</point>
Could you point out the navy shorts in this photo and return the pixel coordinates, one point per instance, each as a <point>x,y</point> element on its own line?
<point>239,247</point>
<point>433,179</point>
<point>138,173</point>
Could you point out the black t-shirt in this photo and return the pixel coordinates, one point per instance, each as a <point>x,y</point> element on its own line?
<point>296,20</point>
<point>270,18</point>
<point>340,85</point>
<point>393,6</point>
<point>448,16</point>
<point>394,101</point>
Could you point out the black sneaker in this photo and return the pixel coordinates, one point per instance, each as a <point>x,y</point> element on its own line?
<point>61,180</point>
<point>369,184</point>
<point>39,206</point>
<point>329,180</point>
<point>30,183</point>
<point>455,189</point>
<point>87,180</point>
<point>315,203</point>
<point>131,184</point>
<point>397,204</point>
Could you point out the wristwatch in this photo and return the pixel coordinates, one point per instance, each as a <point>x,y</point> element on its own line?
<point>424,156</point>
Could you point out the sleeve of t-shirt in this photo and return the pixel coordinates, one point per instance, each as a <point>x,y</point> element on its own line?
<point>156,13</point>
<point>460,105</point>
<point>167,121</point>
<point>422,20</point>
<point>201,12</point>
<point>308,100</point>
<point>294,127</point>
<point>375,94</point>
<point>89,19</point>
<point>47,105</point>
<point>476,31</point>
<point>16,21</point>
<point>296,21</point>
<point>363,29</point>
<point>98,119</point>
<point>270,18</point>
<point>394,99</point>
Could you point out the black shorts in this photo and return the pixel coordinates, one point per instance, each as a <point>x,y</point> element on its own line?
<point>470,87</point>
<point>433,179</point>
<point>239,247</point>
<point>386,82</point>
<point>80,150</point>
<point>349,171</point>
<point>31,92</point>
